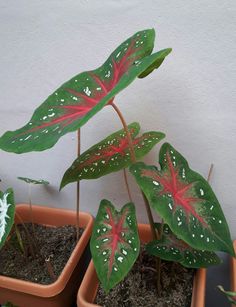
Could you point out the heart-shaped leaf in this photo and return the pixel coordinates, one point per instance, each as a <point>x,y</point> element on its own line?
<point>33,181</point>
<point>77,100</point>
<point>7,213</point>
<point>185,201</point>
<point>111,155</point>
<point>170,248</point>
<point>114,243</point>
<point>229,294</point>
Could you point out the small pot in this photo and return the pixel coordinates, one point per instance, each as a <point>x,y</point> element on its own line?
<point>62,292</point>
<point>89,286</point>
<point>233,270</point>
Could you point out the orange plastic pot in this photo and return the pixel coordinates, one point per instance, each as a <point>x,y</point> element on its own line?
<point>61,293</point>
<point>233,271</point>
<point>89,286</point>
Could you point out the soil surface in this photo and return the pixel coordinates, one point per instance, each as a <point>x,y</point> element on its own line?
<point>51,243</point>
<point>138,288</point>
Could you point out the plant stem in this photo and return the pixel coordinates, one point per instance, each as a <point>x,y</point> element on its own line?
<point>133,158</point>
<point>50,268</point>
<point>32,244</point>
<point>125,126</point>
<point>31,211</point>
<point>210,172</point>
<point>19,239</point>
<point>78,190</point>
<point>150,217</point>
<point>127,185</point>
<point>148,209</point>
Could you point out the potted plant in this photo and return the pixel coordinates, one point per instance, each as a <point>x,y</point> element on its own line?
<point>192,223</point>
<point>60,291</point>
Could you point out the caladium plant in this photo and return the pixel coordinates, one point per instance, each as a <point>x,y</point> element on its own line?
<point>80,98</point>
<point>193,227</point>
<point>114,243</point>
<point>185,200</point>
<point>171,248</point>
<point>111,154</point>
<point>7,213</point>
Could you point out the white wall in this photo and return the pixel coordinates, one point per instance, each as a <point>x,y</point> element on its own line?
<point>191,97</point>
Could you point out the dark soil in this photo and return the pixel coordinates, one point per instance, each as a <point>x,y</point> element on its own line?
<point>54,243</point>
<point>138,288</point>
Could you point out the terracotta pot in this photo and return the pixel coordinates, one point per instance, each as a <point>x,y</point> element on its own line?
<point>89,286</point>
<point>61,293</point>
<point>233,270</point>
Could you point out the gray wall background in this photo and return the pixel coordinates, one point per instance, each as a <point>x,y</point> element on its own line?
<point>191,97</point>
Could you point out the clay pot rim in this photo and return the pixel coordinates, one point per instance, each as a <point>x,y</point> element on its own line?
<point>86,222</point>
<point>198,293</point>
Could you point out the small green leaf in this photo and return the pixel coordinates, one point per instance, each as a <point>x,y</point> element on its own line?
<point>80,98</point>
<point>114,243</point>
<point>111,154</point>
<point>7,213</point>
<point>229,294</point>
<point>185,201</point>
<point>170,248</point>
<point>33,181</point>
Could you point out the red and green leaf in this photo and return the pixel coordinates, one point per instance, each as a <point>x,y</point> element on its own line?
<point>77,100</point>
<point>114,243</point>
<point>231,296</point>
<point>111,155</point>
<point>185,201</point>
<point>7,213</point>
<point>170,248</point>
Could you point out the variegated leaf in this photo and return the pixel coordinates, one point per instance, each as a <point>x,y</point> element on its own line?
<point>114,243</point>
<point>111,155</point>
<point>185,201</point>
<point>170,248</point>
<point>33,181</point>
<point>7,213</point>
<point>231,296</point>
<point>77,100</point>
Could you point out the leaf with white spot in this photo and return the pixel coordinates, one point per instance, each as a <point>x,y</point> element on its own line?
<point>33,181</point>
<point>7,213</point>
<point>185,200</point>
<point>80,98</point>
<point>231,296</point>
<point>114,243</point>
<point>170,248</point>
<point>111,155</point>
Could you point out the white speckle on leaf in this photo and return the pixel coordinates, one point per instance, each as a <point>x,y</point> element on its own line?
<point>170,206</point>
<point>156,183</point>
<point>201,192</point>
<point>87,91</point>
<point>124,252</point>
<point>120,259</point>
